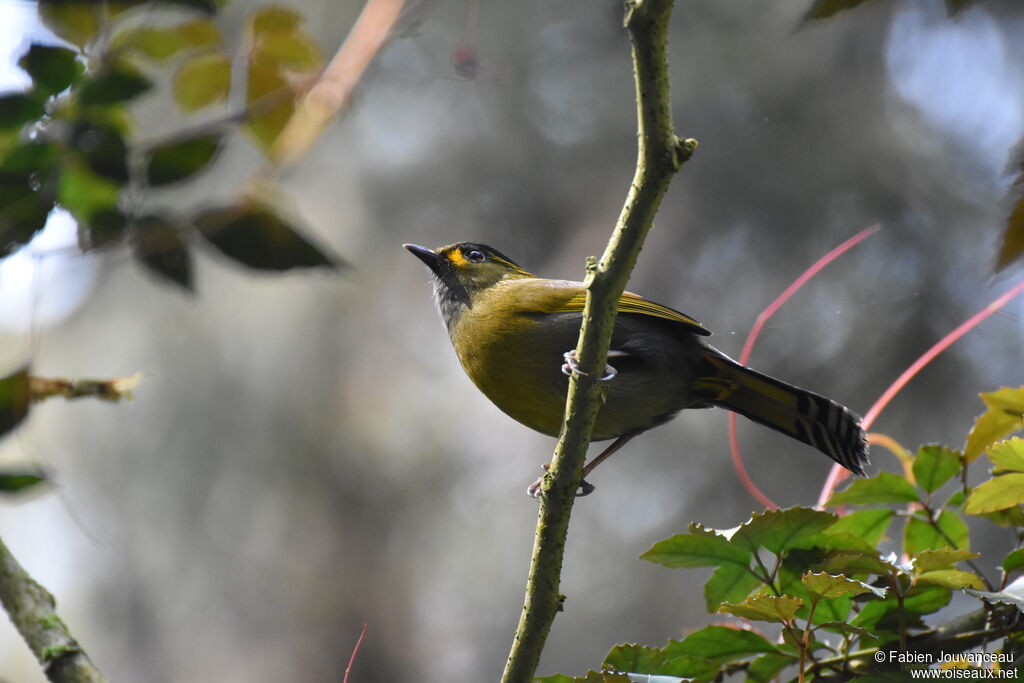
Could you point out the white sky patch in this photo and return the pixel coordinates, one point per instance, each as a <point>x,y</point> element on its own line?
<point>46,281</point>
<point>960,75</point>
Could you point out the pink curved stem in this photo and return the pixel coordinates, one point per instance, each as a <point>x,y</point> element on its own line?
<point>748,347</point>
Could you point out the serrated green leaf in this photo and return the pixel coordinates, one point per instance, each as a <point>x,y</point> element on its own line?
<point>774,608</point>
<point>14,399</point>
<point>868,525</point>
<point>118,83</point>
<point>849,562</point>
<point>1005,415</point>
<point>1011,595</point>
<point>701,547</point>
<point>934,466</point>
<point>178,161</point>
<point>919,535</point>
<point>825,586</point>
<point>17,109</point>
<point>883,615</point>
<point>158,243</point>
<point>729,583</point>
<point>720,644</point>
<point>780,530</point>
<point>1013,561</point>
<point>952,579</point>
<point>995,494</point>
<point>767,667</point>
<point>943,558</point>
<point>884,487</point>
<point>847,629</point>
<point>639,659</point>
<point>53,69</point>
<point>255,236</point>
<point>15,481</point>
<point>1008,454</point>
<point>202,80</point>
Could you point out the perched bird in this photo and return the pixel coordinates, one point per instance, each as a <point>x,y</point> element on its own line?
<point>514,334</point>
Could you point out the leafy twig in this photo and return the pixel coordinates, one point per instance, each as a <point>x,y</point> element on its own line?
<point>659,156</point>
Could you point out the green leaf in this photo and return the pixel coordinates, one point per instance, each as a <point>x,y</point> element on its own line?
<point>780,530</point>
<point>822,9</point>
<point>17,109</point>
<point>995,494</point>
<point>14,399</point>
<point>1012,246</point>
<point>825,586</point>
<point>765,608</point>
<point>1011,595</point>
<point>639,659</point>
<point>16,481</point>
<point>1008,454</point>
<point>884,487</point>
<point>290,50</point>
<point>590,677</point>
<point>76,22</point>
<point>161,42</point>
<point>943,558</point>
<point>701,547</point>
<point>255,236</point>
<point>883,615</point>
<point>851,562</point>
<point>26,193</point>
<point>952,579</point>
<point>53,69</point>
<point>178,161</point>
<point>202,80</point>
<point>118,83</point>
<point>844,628</point>
<point>274,18</point>
<point>1005,415</point>
<point>1014,561</point>
<point>85,193</point>
<point>159,245</point>
<point>920,535</point>
<point>266,80</point>
<point>720,643</point>
<point>729,583</point>
<point>934,465</point>
<point>767,666</point>
<point>868,525</point>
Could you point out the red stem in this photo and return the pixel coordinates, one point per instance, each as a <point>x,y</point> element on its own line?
<point>355,650</point>
<point>748,347</point>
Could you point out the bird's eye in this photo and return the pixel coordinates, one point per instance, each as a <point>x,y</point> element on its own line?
<point>475,255</point>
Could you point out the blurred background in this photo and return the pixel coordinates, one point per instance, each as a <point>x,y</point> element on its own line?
<point>305,454</point>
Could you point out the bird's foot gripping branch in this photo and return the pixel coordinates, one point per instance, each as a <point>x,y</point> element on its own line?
<point>861,594</point>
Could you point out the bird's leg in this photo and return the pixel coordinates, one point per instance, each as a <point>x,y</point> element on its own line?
<point>571,364</point>
<point>586,488</point>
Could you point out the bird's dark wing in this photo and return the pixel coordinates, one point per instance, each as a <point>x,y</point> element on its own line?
<point>632,304</point>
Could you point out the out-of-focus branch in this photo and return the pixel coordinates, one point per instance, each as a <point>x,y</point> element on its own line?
<point>33,611</point>
<point>113,390</point>
<point>335,85</point>
<point>660,155</point>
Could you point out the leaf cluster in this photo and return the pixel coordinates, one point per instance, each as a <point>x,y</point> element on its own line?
<point>822,592</point>
<point>69,141</point>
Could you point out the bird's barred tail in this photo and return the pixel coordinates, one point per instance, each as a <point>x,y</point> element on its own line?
<point>808,417</point>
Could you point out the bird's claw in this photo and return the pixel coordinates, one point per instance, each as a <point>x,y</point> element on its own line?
<point>534,489</point>
<point>572,365</point>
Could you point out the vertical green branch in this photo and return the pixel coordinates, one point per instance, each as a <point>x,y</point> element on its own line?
<point>33,611</point>
<point>660,155</point>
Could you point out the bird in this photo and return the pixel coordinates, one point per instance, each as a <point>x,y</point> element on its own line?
<point>514,333</point>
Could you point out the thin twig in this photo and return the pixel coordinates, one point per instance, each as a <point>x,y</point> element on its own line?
<point>659,156</point>
<point>355,651</point>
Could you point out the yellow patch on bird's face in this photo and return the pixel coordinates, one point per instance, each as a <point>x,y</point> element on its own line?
<point>455,256</point>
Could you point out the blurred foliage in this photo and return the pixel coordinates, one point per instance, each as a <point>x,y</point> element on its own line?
<point>831,590</point>
<point>69,141</point>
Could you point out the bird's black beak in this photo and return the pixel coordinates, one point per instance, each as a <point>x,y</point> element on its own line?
<point>428,256</point>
